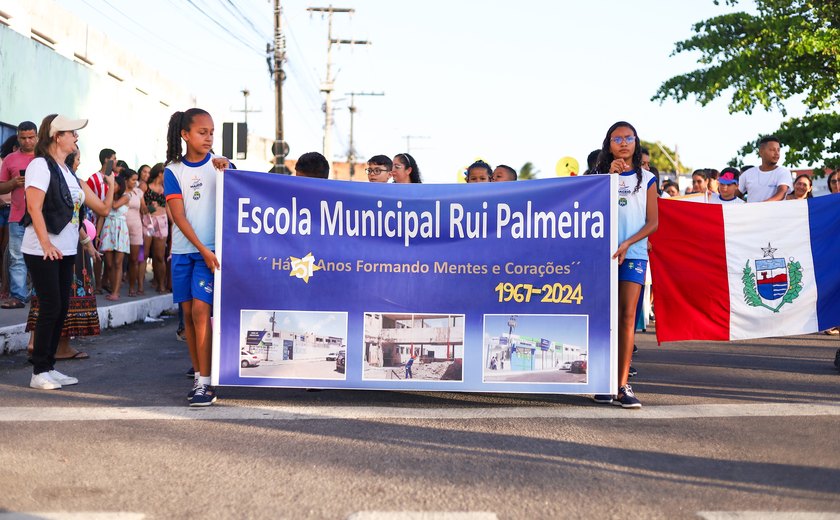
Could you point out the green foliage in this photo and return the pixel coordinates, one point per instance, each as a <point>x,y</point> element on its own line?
<point>660,160</point>
<point>527,172</point>
<point>789,50</point>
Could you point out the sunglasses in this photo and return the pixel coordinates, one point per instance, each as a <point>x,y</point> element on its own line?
<point>630,139</point>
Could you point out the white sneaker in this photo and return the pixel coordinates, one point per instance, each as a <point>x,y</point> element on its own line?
<point>62,379</point>
<point>43,381</point>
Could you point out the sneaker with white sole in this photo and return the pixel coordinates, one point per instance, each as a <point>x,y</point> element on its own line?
<point>62,379</point>
<point>602,398</point>
<point>205,395</point>
<point>626,398</point>
<point>43,381</point>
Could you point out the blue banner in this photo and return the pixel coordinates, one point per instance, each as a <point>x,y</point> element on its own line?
<point>498,287</point>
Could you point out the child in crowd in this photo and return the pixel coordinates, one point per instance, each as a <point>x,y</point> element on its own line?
<point>727,188</point>
<point>638,217</point>
<point>193,236</point>
<point>312,164</point>
<point>504,173</point>
<point>479,171</point>
<point>114,237</point>
<point>379,168</point>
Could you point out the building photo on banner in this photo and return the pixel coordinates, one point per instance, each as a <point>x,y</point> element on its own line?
<point>488,288</point>
<point>291,344</point>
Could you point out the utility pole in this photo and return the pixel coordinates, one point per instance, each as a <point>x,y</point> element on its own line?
<point>327,85</point>
<point>351,152</point>
<point>280,148</point>
<point>408,139</point>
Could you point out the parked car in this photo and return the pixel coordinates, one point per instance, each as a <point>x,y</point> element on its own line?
<point>331,356</point>
<point>566,366</point>
<point>246,359</point>
<point>578,367</point>
<point>339,361</point>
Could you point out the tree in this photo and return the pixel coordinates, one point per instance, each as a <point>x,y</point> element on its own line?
<point>660,160</point>
<point>789,50</point>
<point>527,172</point>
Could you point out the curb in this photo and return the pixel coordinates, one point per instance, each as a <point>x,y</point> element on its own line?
<point>15,337</point>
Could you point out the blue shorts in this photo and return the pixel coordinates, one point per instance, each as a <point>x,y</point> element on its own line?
<point>191,279</point>
<point>4,215</point>
<point>632,270</point>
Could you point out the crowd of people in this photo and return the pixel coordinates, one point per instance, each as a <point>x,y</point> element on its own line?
<point>58,255</point>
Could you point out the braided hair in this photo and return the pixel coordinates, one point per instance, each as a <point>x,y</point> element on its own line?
<point>179,122</point>
<point>605,158</point>
<point>409,162</point>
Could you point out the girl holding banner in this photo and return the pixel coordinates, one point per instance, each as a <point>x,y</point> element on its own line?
<point>194,235</point>
<point>621,154</point>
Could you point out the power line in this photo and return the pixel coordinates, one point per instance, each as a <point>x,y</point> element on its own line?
<point>226,30</point>
<point>246,18</point>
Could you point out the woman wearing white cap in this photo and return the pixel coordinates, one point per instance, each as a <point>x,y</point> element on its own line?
<point>53,198</point>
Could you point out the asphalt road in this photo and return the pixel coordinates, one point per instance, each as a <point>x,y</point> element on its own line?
<point>726,428</point>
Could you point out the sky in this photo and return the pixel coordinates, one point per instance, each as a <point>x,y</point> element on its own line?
<point>508,82</point>
<point>571,329</point>
<point>300,322</point>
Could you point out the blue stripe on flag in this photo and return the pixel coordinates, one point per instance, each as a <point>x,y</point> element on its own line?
<point>824,219</point>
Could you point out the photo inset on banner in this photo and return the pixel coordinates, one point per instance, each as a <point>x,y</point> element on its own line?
<point>535,348</point>
<point>292,344</point>
<point>414,347</point>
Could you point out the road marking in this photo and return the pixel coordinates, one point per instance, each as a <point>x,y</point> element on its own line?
<point>233,412</point>
<point>421,515</point>
<point>85,515</point>
<point>767,515</point>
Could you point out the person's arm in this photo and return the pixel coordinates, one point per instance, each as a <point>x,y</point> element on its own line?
<point>144,210</point>
<point>781,192</point>
<point>8,183</point>
<point>35,207</point>
<point>87,244</point>
<point>100,207</point>
<point>175,205</point>
<point>651,224</point>
<point>122,201</point>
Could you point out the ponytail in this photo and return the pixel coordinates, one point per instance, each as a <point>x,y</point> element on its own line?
<point>179,122</point>
<point>173,138</point>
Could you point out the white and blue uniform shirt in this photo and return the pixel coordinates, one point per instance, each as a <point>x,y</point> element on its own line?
<point>632,211</point>
<point>195,183</point>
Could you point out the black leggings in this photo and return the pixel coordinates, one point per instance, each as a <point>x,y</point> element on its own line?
<point>52,280</point>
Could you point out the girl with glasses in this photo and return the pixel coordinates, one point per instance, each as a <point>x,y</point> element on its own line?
<point>621,154</point>
<point>405,169</point>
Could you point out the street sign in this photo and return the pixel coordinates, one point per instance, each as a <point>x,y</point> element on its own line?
<point>280,148</point>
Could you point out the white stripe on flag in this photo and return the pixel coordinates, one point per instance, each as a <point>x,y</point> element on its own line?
<point>760,232</point>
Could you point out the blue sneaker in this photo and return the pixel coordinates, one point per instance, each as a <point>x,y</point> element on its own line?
<point>626,398</point>
<point>190,373</point>
<point>205,395</point>
<point>602,398</point>
<point>632,372</point>
<point>195,387</point>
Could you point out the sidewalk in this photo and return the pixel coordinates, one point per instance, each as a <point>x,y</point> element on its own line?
<point>13,336</point>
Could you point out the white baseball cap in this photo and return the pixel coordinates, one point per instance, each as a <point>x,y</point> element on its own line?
<point>62,124</point>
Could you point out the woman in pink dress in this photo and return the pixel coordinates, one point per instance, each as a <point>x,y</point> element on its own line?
<point>136,206</point>
<point>157,229</point>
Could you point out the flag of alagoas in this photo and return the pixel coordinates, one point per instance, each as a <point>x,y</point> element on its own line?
<point>729,272</point>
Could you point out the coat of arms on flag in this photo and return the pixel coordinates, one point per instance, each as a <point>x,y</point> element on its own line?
<point>774,278</point>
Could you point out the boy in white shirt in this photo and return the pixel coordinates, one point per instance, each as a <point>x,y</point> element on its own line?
<point>768,182</point>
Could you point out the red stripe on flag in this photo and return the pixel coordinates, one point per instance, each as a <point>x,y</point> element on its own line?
<point>688,265</point>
